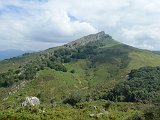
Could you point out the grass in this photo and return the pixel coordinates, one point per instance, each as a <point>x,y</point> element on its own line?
<point>141,59</point>
<point>83,111</point>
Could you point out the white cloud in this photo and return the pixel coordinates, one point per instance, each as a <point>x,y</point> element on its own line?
<point>35,24</point>
<point>142,36</point>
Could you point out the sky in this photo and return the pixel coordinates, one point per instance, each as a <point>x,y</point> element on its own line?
<point>41,24</point>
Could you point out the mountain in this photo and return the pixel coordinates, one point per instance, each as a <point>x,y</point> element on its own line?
<point>6,54</point>
<point>76,80</point>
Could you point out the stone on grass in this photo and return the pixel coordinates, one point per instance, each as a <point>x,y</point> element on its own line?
<point>33,101</point>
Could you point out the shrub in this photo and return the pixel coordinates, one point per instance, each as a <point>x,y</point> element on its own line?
<point>74,98</point>
<point>72,71</point>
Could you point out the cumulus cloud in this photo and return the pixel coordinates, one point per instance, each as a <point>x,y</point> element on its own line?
<point>40,24</point>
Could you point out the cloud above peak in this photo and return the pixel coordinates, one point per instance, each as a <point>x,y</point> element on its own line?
<point>40,24</point>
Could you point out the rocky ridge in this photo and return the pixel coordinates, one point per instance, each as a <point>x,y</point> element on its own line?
<point>90,38</point>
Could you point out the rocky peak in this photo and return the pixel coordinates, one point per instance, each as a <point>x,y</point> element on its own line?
<point>100,34</point>
<point>86,39</point>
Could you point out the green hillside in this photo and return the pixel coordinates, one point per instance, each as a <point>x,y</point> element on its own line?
<point>71,78</point>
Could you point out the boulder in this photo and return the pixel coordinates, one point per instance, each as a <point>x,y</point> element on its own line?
<point>91,115</point>
<point>33,101</point>
<point>99,115</point>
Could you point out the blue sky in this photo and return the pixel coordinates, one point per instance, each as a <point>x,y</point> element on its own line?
<point>40,24</point>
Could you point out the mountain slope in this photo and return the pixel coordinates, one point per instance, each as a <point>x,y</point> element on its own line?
<point>83,70</point>
<point>98,59</point>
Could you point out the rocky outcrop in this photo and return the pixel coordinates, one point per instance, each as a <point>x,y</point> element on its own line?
<point>90,38</point>
<point>98,115</point>
<point>15,88</point>
<point>33,101</point>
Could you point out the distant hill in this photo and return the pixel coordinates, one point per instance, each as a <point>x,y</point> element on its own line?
<point>6,54</point>
<point>157,52</point>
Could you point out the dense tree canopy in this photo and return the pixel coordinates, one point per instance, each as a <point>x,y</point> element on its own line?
<point>143,85</point>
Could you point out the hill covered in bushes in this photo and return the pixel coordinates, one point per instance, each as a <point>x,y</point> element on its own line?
<point>94,70</point>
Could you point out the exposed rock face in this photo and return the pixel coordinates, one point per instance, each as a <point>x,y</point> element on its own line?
<point>15,88</point>
<point>33,101</point>
<point>93,37</point>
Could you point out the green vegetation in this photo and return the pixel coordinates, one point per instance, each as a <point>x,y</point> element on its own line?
<point>28,71</point>
<point>75,82</point>
<point>143,85</point>
<point>101,110</point>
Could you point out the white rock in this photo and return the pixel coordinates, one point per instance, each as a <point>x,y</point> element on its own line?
<point>91,115</point>
<point>31,101</point>
<point>99,115</point>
